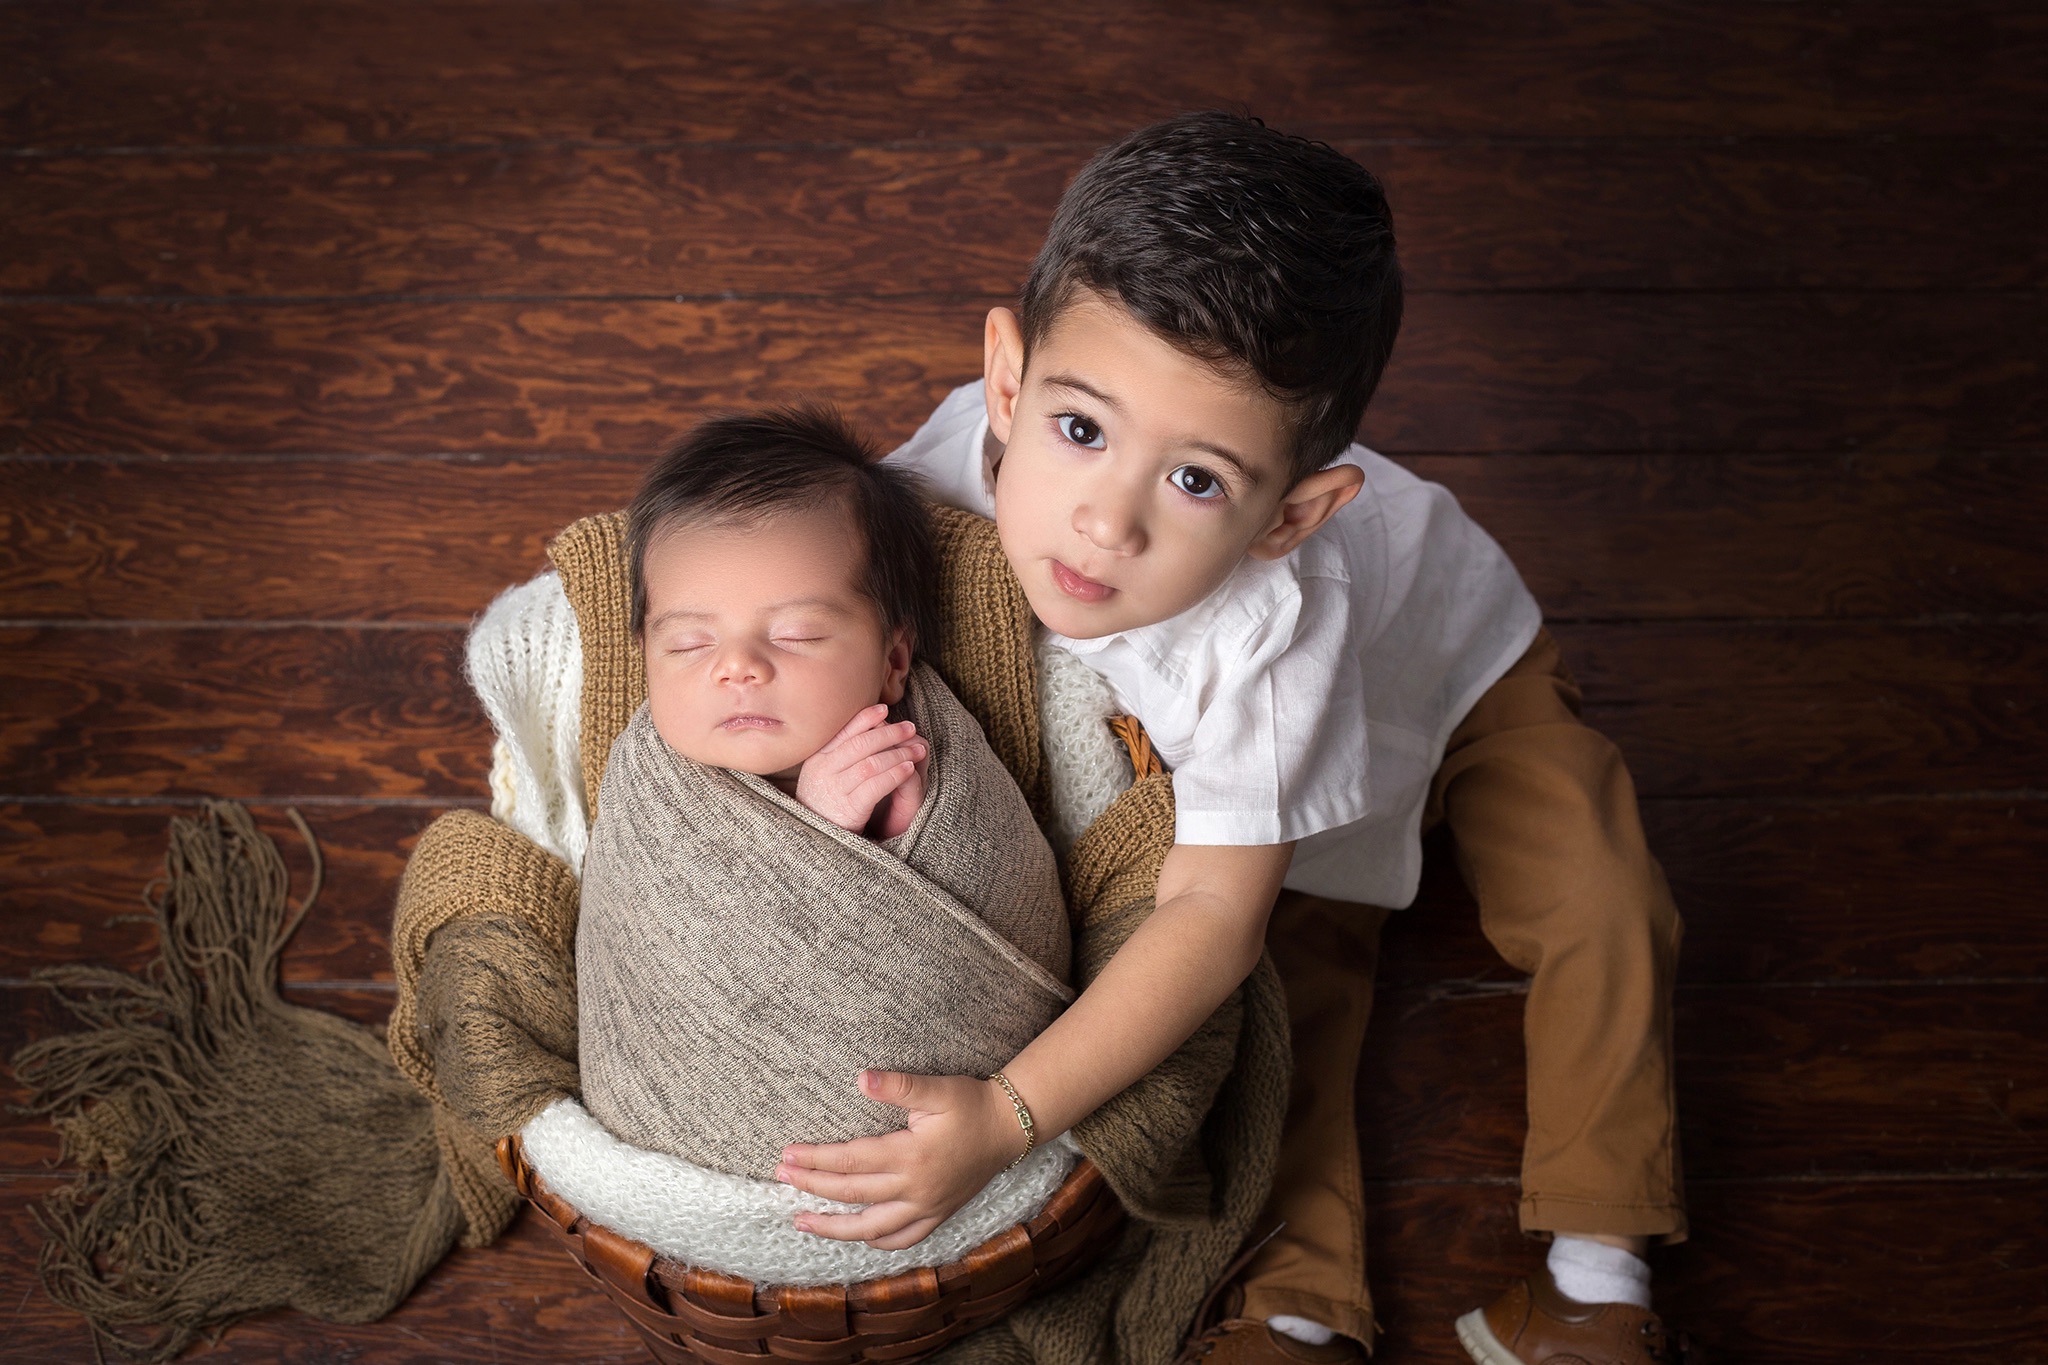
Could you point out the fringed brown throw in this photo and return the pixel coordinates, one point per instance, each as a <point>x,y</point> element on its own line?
<point>221,1131</point>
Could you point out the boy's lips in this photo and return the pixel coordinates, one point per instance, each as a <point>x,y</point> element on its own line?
<point>1077,587</point>
<point>749,722</point>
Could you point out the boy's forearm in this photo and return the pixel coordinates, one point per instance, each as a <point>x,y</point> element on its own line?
<point>1185,960</point>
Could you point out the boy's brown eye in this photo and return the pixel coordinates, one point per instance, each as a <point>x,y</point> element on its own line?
<point>1196,482</point>
<point>1080,430</point>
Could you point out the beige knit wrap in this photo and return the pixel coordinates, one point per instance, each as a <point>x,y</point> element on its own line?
<point>739,958</point>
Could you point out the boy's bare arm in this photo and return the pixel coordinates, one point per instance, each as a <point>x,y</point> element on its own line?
<point>1185,960</point>
<point>1200,942</point>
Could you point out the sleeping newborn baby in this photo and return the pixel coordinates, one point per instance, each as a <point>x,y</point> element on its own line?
<point>805,860</point>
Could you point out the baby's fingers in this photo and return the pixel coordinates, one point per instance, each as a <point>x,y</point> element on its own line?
<point>868,794</point>
<point>867,718</point>
<point>871,746</point>
<point>865,721</point>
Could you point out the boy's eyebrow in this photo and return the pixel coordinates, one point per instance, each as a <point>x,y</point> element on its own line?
<point>1068,381</point>
<point>1230,457</point>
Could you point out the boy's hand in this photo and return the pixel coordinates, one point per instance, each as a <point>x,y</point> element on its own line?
<point>868,763</point>
<point>959,1133</point>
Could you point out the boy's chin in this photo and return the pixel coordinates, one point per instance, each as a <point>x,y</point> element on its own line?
<point>1062,615</point>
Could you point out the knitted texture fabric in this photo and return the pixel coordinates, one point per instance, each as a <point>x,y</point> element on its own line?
<point>987,658</point>
<point>1189,1148</point>
<point>238,1153</point>
<point>495,916</point>
<point>708,1219</point>
<point>1086,767</point>
<point>525,662</point>
<point>740,958</point>
<point>591,556</point>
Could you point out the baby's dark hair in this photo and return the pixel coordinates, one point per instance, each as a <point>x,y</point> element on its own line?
<point>1266,255</point>
<point>746,469</point>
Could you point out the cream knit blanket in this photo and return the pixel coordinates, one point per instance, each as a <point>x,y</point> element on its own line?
<point>740,958</point>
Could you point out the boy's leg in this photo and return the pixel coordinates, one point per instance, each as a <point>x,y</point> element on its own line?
<point>1551,843</point>
<point>1326,952</point>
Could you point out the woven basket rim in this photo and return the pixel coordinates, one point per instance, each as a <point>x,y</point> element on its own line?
<point>1082,1184</point>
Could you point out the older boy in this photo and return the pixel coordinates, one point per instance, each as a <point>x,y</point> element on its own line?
<point>1331,656</point>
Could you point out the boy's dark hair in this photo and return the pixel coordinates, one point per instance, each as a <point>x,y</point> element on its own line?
<point>1264,254</point>
<point>741,470</point>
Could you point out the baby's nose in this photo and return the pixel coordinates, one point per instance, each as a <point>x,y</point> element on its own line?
<point>741,666</point>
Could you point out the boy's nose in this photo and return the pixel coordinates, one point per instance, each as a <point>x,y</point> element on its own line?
<point>1111,524</point>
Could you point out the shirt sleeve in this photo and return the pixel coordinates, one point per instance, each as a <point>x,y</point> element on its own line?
<point>946,452</point>
<point>1280,744</point>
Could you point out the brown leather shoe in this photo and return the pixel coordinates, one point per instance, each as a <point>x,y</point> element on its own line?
<point>1247,1341</point>
<point>1533,1324</point>
<point>1224,1336</point>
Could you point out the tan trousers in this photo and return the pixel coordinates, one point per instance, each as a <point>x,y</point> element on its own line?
<point>1549,839</point>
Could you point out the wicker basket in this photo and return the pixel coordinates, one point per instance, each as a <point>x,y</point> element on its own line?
<point>689,1316</point>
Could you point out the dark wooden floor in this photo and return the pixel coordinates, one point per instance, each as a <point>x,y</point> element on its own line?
<point>1728,320</point>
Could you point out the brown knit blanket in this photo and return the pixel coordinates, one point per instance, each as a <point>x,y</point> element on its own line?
<point>242,1153</point>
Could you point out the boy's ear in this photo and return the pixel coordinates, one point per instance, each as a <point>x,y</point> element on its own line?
<point>1002,370</point>
<point>897,656</point>
<point>1306,507</point>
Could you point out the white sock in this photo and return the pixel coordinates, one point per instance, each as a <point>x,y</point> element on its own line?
<point>1594,1272</point>
<point>1301,1329</point>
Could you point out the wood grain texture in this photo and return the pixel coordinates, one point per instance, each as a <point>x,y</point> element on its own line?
<point>1596,537</point>
<point>404,539</point>
<point>967,219</point>
<point>72,876</point>
<point>520,1301</point>
<point>1773,892</point>
<point>1714,372</point>
<point>1797,892</point>
<point>1775,537</point>
<point>1727,321</point>
<point>435,377</point>
<point>1812,1266</point>
<point>1699,709</point>
<point>293,711</point>
<point>233,72</point>
<point>1793,1272</point>
<point>1899,1077</point>
<point>1729,373</point>
<point>1836,709</point>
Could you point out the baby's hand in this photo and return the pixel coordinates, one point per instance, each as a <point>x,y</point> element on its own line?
<point>866,764</point>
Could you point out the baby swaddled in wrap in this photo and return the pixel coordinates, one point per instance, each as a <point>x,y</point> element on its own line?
<point>740,958</point>
<point>805,862</point>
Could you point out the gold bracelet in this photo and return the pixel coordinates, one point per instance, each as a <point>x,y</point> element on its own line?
<point>1024,1119</point>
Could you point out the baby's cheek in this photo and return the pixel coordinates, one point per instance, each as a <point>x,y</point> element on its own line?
<point>664,710</point>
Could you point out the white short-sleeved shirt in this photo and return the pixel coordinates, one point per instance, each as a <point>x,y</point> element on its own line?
<point>1310,697</point>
